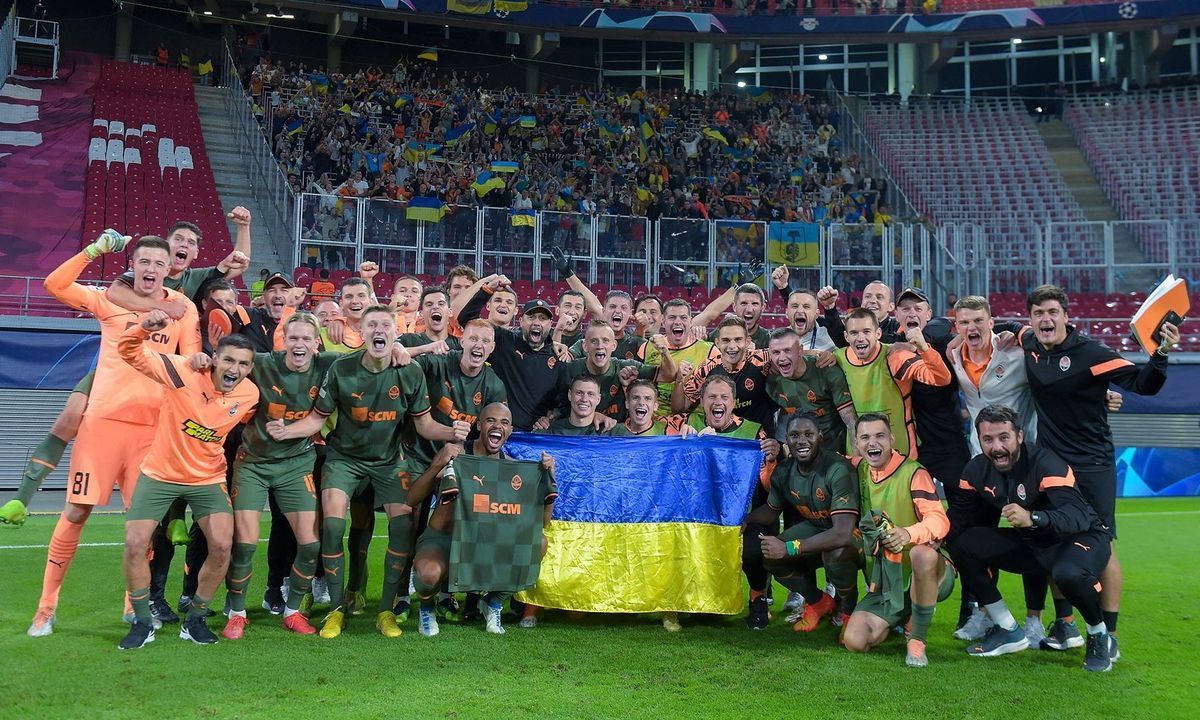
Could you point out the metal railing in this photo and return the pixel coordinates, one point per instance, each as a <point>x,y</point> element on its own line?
<point>8,56</point>
<point>268,184</point>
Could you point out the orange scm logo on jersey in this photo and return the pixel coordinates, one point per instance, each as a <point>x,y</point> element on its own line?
<point>483,505</point>
<point>364,414</point>
<point>446,406</point>
<point>191,428</point>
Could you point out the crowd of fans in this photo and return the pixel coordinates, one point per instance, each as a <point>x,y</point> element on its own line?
<point>745,155</point>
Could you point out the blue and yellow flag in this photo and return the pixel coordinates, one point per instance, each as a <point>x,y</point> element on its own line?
<point>795,244</point>
<point>715,135</point>
<point>430,54</point>
<point>491,121</point>
<point>644,524</point>
<point>427,209</point>
<point>528,122</point>
<point>522,218</point>
<point>609,131</point>
<point>487,182</point>
<point>759,94</point>
<point>469,7</point>
<point>512,6</point>
<point>647,128</point>
<point>415,152</point>
<point>295,126</point>
<point>453,135</point>
<point>505,166</point>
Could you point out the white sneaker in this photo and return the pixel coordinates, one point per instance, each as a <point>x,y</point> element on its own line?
<point>492,616</point>
<point>528,622</point>
<point>1035,632</point>
<point>670,622</point>
<point>43,623</point>
<point>320,591</point>
<point>975,627</point>
<point>427,622</point>
<point>284,590</point>
<point>795,601</point>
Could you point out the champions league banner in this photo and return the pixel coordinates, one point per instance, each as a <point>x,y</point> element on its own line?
<point>558,17</point>
<point>46,359</point>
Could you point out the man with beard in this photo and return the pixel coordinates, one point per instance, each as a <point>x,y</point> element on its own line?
<point>373,400</point>
<point>648,316</point>
<point>612,374</point>
<point>747,368</point>
<point>881,379</point>
<point>187,461</point>
<point>1069,376</point>
<point>435,337</point>
<point>802,311</point>
<point>685,349</point>
<point>1052,530</point>
<point>902,522</point>
<point>569,318</point>
<point>524,360</point>
<point>748,301</point>
<point>820,486</point>
<point>799,387</point>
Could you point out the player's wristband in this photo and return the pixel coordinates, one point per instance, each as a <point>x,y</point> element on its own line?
<point>793,548</point>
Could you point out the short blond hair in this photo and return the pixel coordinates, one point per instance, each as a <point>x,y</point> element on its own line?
<point>974,302</point>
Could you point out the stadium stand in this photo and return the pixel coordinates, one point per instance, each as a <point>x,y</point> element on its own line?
<point>147,166</point>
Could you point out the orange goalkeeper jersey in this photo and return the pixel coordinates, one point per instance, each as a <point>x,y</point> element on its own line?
<point>195,416</point>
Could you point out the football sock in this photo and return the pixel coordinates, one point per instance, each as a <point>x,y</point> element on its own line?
<point>495,599</point>
<point>999,613</point>
<point>241,567</point>
<point>140,600</point>
<point>804,581</point>
<point>1110,620</point>
<point>1062,609</point>
<point>44,459</point>
<point>922,618</point>
<point>1097,629</point>
<point>199,608</point>
<point>333,557</point>
<point>358,546</point>
<point>300,581</point>
<point>399,544</point>
<point>844,577</point>
<point>63,544</point>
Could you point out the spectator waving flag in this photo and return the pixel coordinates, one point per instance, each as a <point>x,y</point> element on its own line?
<point>426,209</point>
<point>715,135</point>
<point>528,122</point>
<point>644,524</point>
<point>505,166</point>
<point>492,122</point>
<point>295,126</point>
<point>453,135</point>
<point>430,54</point>
<point>522,218</point>
<point>486,182</point>
<point>415,152</point>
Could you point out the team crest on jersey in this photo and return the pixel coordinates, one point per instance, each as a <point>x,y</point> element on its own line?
<point>551,362</point>
<point>394,392</point>
<point>749,384</point>
<point>999,371</point>
<point>820,495</point>
<point>233,410</point>
<point>312,392</point>
<point>1021,491</point>
<point>612,391</point>
<point>1064,364</point>
<point>812,396</point>
<point>478,398</point>
<point>516,482</point>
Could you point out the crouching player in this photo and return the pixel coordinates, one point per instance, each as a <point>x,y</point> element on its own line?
<point>187,461</point>
<point>822,488</point>
<point>431,558</point>
<point>1053,531</point>
<point>902,523</point>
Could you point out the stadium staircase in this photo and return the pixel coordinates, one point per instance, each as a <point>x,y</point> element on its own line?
<point>233,179</point>
<point>1068,157</point>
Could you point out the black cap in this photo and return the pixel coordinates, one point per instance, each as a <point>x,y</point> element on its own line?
<point>278,277</point>
<point>537,304</point>
<point>913,293</point>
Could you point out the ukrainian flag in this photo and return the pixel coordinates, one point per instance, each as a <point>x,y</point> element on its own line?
<point>430,54</point>
<point>609,131</point>
<point>295,126</point>
<point>794,244</point>
<point>758,94</point>
<point>485,183</point>
<point>505,166</point>
<point>427,209</point>
<point>453,135</point>
<point>715,135</point>
<point>491,122</point>
<point>415,152</point>
<point>647,129</point>
<point>797,177</point>
<point>512,6</point>
<point>469,7</point>
<point>644,524</point>
<point>528,122</point>
<point>522,218</point>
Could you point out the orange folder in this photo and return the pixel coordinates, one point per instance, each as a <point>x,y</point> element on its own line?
<point>1171,296</point>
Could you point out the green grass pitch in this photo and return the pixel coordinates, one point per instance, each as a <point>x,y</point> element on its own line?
<point>596,667</point>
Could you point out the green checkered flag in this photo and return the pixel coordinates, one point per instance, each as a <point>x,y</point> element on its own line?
<point>498,524</point>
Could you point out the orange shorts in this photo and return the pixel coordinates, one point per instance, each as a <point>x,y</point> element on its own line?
<point>106,453</point>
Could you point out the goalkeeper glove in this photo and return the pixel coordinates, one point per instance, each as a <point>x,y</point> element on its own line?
<point>109,241</point>
<point>562,263</point>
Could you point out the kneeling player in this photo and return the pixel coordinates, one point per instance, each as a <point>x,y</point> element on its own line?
<point>902,522</point>
<point>187,461</point>
<point>1053,531</point>
<point>822,488</point>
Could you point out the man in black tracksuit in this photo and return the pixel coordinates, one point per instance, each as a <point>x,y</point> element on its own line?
<point>1053,531</point>
<point>524,360</point>
<point>1069,375</point>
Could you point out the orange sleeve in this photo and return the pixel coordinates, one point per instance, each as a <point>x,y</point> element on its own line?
<point>158,367</point>
<point>189,332</point>
<point>691,388</point>
<point>927,367</point>
<point>61,284</point>
<point>277,336</point>
<point>1052,481</point>
<point>933,524</point>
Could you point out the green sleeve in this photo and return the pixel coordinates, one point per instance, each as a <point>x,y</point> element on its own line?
<point>418,391</point>
<point>844,485</point>
<point>327,397</point>
<point>496,392</point>
<point>577,349</point>
<point>645,371</point>
<point>777,492</point>
<point>839,390</point>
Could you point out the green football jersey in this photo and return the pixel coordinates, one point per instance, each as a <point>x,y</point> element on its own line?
<point>189,282</point>
<point>452,396</point>
<point>498,518</point>
<point>563,426</point>
<point>761,337</point>
<point>821,391</point>
<point>283,395</point>
<point>627,347</point>
<point>826,489</point>
<point>372,408</point>
<point>414,339</point>
<point>658,427</point>
<point>612,393</point>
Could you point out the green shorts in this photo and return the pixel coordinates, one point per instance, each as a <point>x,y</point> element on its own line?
<point>433,540</point>
<point>84,386</point>
<point>290,479</point>
<point>390,482</point>
<point>151,498</point>
<point>874,602</point>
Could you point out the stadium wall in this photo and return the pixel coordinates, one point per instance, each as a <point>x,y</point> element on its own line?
<point>40,365</point>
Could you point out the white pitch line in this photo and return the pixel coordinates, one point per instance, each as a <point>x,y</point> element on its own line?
<point>105,544</point>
